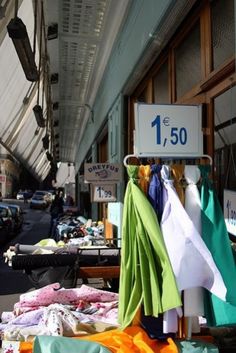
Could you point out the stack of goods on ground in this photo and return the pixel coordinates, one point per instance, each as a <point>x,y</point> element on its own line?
<point>80,231</point>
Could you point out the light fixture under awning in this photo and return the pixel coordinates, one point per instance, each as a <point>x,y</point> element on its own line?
<point>18,33</point>
<point>38,113</point>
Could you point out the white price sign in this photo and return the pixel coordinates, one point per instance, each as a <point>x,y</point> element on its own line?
<point>103,193</point>
<point>168,130</point>
<point>230,211</point>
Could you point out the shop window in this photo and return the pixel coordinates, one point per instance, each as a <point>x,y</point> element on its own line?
<point>143,96</point>
<point>103,149</point>
<point>188,62</point>
<point>225,141</point>
<point>225,118</point>
<point>223,32</point>
<point>113,129</point>
<point>160,82</point>
<point>102,158</point>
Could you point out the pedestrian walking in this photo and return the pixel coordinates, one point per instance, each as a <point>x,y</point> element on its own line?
<point>25,197</point>
<point>56,211</point>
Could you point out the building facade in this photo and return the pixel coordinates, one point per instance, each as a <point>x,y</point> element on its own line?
<point>9,174</point>
<point>168,52</point>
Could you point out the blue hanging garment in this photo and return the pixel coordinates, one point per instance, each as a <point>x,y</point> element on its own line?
<point>155,192</point>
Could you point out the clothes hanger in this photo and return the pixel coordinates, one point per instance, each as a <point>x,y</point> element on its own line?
<point>144,156</point>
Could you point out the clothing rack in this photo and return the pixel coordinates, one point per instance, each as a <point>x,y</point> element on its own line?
<point>184,324</point>
<point>94,262</point>
<point>149,156</point>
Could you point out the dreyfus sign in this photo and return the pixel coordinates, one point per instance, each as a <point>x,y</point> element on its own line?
<point>230,211</point>
<point>168,130</point>
<point>102,172</point>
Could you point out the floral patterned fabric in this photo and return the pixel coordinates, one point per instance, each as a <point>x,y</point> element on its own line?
<point>62,312</point>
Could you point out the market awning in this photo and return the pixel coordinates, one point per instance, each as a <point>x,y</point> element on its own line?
<point>19,132</point>
<point>77,54</point>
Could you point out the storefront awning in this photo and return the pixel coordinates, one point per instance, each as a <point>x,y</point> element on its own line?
<point>78,54</point>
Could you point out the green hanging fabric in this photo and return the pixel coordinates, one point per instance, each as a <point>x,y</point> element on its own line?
<point>215,235</point>
<point>146,273</point>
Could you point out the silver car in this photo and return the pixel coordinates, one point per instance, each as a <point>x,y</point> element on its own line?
<point>39,201</point>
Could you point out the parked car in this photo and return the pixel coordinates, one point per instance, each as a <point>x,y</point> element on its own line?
<point>4,233</point>
<point>6,216</point>
<point>17,215</point>
<point>24,195</point>
<point>39,200</point>
<point>20,195</point>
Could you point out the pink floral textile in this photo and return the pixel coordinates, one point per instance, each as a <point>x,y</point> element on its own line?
<point>52,294</point>
<point>52,310</point>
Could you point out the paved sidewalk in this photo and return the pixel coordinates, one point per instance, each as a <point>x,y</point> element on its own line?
<point>7,302</point>
<point>13,282</point>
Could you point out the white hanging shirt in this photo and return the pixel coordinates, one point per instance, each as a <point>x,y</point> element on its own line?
<point>170,317</point>
<point>191,260</point>
<point>193,297</point>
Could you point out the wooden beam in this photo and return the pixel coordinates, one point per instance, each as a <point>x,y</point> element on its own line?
<point>99,272</point>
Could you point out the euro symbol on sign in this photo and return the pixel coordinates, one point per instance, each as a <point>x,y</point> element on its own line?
<point>166,121</point>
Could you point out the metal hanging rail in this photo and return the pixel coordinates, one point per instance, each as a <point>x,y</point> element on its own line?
<point>148,156</point>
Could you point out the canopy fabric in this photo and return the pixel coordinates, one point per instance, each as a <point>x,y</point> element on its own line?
<point>19,131</point>
<point>146,273</point>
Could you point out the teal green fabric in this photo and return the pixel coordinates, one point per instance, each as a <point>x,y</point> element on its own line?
<point>146,273</point>
<point>58,344</point>
<point>215,235</point>
<point>196,346</point>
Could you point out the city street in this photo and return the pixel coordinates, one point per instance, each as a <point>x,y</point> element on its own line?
<point>13,282</point>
